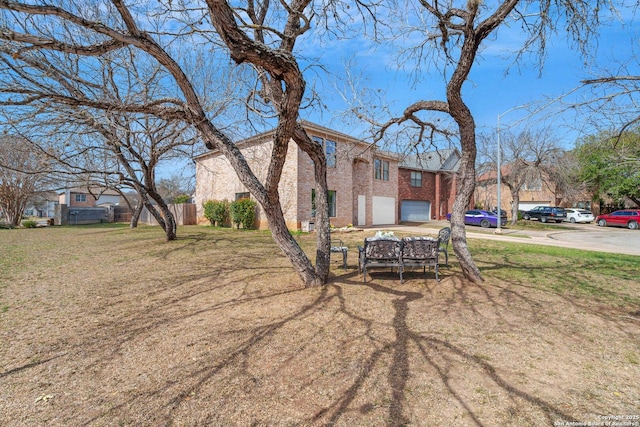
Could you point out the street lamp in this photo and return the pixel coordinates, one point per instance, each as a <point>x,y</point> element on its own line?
<point>499,172</point>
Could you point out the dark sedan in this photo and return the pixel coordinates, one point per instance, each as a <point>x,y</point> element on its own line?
<point>629,218</point>
<point>482,218</point>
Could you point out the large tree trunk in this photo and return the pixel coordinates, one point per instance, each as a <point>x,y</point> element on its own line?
<point>515,196</point>
<point>13,212</point>
<point>135,215</point>
<point>461,204</point>
<point>467,172</point>
<point>322,223</point>
<point>269,202</point>
<point>163,216</point>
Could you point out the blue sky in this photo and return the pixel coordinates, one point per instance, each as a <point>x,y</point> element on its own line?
<point>490,90</point>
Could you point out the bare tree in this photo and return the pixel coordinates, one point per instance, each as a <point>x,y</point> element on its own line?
<point>21,176</point>
<point>109,148</point>
<point>175,186</point>
<point>262,35</point>
<point>530,157</point>
<point>451,34</point>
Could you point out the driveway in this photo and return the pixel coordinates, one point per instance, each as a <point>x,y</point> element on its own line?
<point>605,239</point>
<point>579,236</point>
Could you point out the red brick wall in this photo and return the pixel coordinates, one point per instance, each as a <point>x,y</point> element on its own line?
<point>89,203</point>
<point>407,192</point>
<point>427,191</point>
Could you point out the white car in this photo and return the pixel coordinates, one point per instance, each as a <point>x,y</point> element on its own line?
<point>579,215</point>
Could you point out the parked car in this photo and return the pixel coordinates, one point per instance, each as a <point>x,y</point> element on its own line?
<point>579,215</point>
<point>503,213</point>
<point>545,214</point>
<point>482,218</point>
<point>629,218</point>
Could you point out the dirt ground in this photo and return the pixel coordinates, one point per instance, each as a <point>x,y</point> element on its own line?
<point>102,328</point>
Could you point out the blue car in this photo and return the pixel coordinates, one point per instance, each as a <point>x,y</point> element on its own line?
<point>482,218</point>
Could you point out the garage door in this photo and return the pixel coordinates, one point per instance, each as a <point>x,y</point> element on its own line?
<point>383,210</point>
<point>415,210</point>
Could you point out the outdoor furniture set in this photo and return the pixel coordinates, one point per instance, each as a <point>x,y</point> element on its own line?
<point>390,251</point>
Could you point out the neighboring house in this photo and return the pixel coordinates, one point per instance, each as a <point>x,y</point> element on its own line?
<point>427,185</point>
<point>42,205</point>
<point>88,197</point>
<point>535,192</point>
<point>362,181</point>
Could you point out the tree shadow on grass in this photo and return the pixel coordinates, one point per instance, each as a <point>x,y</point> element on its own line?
<point>399,371</point>
<point>391,359</point>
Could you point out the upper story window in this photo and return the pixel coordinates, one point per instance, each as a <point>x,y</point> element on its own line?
<point>533,185</point>
<point>329,150</point>
<point>416,179</point>
<point>81,198</point>
<point>381,169</point>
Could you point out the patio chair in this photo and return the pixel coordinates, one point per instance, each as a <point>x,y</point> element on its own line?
<point>380,252</point>
<point>421,252</point>
<point>443,237</point>
<point>337,246</point>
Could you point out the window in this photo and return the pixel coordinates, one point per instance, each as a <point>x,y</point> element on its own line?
<point>381,169</point>
<point>240,196</point>
<point>329,150</point>
<point>331,199</point>
<point>330,153</point>
<point>533,185</point>
<point>81,198</point>
<point>416,179</point>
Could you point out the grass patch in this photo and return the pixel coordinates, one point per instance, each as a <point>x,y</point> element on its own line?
<point>121,327</point>
<point>580,273</point>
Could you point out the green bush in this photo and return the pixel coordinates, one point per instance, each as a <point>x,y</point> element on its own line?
<point>243,212</point>
<point>217,212</point>
<point>29,223</point>
<point>183,198</point>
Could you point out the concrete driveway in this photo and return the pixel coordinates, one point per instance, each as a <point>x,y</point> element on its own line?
<point>577,236</point>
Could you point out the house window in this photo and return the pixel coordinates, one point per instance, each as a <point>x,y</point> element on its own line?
<point>533,185</point>
<point>331,200</point>
<point>416,179</point>
<point>329,150</point>
<point>330,153</point>
<point>381,169</point>
<point>81,198</point>
<point>240,196</point>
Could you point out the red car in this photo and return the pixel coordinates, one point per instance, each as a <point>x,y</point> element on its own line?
<point>629,218</point>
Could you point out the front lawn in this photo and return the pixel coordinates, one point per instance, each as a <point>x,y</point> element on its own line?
<point>102,325</point>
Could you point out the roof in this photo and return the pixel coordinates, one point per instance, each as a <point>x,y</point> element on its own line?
<point>310,127</point>
<point>439,160</point>
<point>97,191</point>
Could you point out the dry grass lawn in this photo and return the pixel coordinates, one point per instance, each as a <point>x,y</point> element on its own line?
<point>106,326</point>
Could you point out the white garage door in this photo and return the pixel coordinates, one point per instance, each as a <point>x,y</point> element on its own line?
<point>415,210</point>
<point>383,210</point>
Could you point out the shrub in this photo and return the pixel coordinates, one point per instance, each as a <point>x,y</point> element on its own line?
<point>217,212</point>
<point>183,198</point>
<point>243,212</point>
<point>29,223</point>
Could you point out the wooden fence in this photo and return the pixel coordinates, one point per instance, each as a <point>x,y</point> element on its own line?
<point>184,213</point>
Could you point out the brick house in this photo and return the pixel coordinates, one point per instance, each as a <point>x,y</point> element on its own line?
<point>427,185</point>
<point>362,180</point>
<point>535,192</point>
<point>88,198</point>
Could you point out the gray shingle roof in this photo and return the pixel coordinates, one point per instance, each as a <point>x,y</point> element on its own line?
<point>440,160</point>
